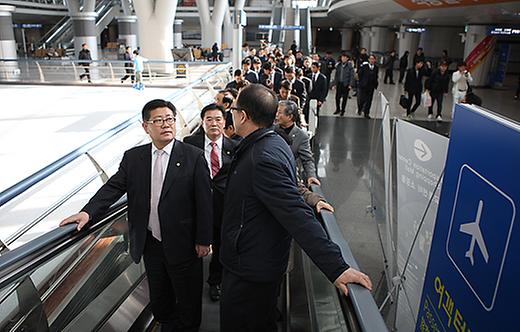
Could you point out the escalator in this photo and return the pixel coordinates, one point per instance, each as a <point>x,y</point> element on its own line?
<point>86,281</point>
<point>62,33</point>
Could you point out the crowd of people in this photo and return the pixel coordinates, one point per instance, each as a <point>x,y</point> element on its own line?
<point>237,188</point>
<point>307,77</point>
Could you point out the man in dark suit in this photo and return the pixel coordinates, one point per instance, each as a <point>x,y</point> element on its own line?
<point>298,87</point>
<point>237,77</point>
<point>218,151</point>
<point>271,78</point>
<point>368,82</point>
<point>319,84</point>
<point>413,86</point>
<point>169,216</point>
<point>319,87</point>
<point>249,74</point>
<point>263,210</point>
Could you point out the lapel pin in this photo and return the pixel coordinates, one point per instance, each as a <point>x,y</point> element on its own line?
<point>228,152</point>
<point>178,164</point>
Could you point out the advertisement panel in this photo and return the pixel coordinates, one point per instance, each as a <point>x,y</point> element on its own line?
<point>420,160</point>
<point>471,281</point>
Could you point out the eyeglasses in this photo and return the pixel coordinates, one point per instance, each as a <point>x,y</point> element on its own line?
<point>160,122</point>
<point>233,109</point>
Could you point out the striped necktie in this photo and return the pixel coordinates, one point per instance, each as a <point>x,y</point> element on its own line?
<point>215,165</point>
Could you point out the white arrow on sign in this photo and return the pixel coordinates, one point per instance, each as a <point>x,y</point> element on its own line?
<point>422,151</point>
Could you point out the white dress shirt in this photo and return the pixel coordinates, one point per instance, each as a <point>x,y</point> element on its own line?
<point>165,158</point>
<point>208,148</point>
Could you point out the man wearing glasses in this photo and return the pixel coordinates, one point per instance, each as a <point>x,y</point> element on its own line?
<point>170,216</point>
<point>263,210</point>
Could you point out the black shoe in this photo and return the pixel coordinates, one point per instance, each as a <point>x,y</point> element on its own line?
<point>89,81</point>
<point>367,116</point>
<point>214,292</point>
<point>392,83</point>
<point>342,114</point>
<point>337,112</point>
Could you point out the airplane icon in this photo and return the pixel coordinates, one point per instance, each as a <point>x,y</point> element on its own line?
<point>473,229</point>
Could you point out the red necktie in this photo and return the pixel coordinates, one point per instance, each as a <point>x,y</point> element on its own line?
<point>215,166</point>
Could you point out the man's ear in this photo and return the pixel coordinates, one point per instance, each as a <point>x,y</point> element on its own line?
<point>145,127</point>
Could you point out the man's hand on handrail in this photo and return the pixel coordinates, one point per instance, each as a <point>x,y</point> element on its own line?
<point>81,219</point>
<point>312,180</point>
<point>351,275</point>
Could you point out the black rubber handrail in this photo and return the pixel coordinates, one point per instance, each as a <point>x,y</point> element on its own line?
<point>367,313</point>
<point>17,263</point>
<point>22,186</point>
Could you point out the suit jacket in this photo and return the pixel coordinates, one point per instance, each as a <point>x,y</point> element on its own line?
<point>218,182</point>
<point>251,76</point>
<point>319,88</point>
<point>276,83</point>
<point>301,150</point>
<point>308,83</point>
<point>263,210</point>
<point>184,215</point>
<point>298,89</point>
<point>232,85</point>
<point>368,77</point>
<point>413,81</point>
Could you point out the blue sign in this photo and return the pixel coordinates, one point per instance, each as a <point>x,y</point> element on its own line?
<point>281,27</point>
<point>471,278</point>
<point>28,26</point>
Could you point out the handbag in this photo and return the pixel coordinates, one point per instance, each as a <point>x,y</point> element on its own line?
<point>403,101</point>
<point>426,99</point>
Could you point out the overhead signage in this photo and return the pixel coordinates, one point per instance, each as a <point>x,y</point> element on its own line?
<point>433,4</point>
<point>473,267</point>
<point>280,27</point>
<point>414,30</point>
<point>503,31</point>
<point>27,26</point>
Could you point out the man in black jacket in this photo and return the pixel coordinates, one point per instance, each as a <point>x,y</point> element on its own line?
<point>218,151</point>
<point>84,54</point>
<point>263,210</point>
<point>389,68</point>
<point>368,82</point>
<point>438,85</point>
<point>169,216</point>
<point>344,79</point>
<point>403,64</point>
<point>413,85</point>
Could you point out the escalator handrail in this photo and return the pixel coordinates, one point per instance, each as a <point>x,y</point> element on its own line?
<point>367,312</point>
<point>17,263</point>
<point>22,186</point>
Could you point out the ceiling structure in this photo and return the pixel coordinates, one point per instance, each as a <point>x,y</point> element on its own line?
<point>424,12</point>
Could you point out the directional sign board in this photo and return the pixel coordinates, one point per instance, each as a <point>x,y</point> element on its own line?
<point>471,280</point>
<point>421,155</point>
